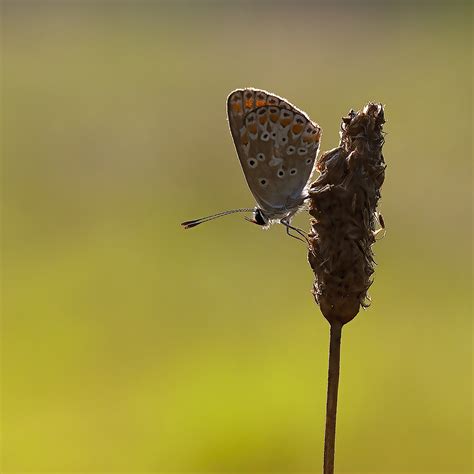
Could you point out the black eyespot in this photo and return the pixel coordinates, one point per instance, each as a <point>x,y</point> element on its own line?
<point>293,171</point>
<point>273,111</point>
<point>283,139</point>
<point>308,161</point>
<point>252,163</point>
<point>263,182</point>
<point>262,111</point>
<point>281,173</point>
<point>302,151</point>
<point>274,135</point>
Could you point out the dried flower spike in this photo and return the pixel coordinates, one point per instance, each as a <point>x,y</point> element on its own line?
<point>343,202</point>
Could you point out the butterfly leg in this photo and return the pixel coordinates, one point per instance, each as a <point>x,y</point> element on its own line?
<point>298,231</point>
<point>294,236</point>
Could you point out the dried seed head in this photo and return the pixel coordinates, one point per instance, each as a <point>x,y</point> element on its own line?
<point>343,202</point>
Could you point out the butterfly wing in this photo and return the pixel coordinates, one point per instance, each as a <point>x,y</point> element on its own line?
<point>277,145</point>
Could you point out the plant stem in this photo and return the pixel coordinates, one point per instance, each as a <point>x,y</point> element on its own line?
<point>331,404</point>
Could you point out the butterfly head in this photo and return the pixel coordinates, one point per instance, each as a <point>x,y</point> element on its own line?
<point>259,218</point>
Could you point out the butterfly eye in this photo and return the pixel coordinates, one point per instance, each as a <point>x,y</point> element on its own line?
<point>260,157</point>
<point>290,150</point>
<point>280,173</point>
<point>302,151</point>
<point>293,171</point>
<point>263,182</point>
<point>252,163</point>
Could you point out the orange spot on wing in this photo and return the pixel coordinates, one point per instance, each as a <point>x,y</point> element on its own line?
<point>236,107</point>
<point>248,103</point>
<point>263,119</point>
<point>285,122</point>
<point>274,117</point>
<point>245,139</point>
<point>252,128</point>
<point>261,103</point>
<point>297,129</point>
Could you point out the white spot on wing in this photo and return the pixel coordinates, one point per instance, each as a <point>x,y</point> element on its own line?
<point>275,161</point>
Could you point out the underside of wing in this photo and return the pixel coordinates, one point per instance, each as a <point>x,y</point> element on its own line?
<point>277,146</point>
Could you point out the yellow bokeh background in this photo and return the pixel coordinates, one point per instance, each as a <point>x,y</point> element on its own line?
<point>130,345</point>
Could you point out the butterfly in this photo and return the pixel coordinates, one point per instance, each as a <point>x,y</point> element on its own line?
<point>277,145</point>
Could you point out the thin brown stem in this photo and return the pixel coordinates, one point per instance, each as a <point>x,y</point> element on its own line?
<point>331,404</point>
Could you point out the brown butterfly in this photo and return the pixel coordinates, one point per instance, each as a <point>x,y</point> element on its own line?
<point>277,145</point>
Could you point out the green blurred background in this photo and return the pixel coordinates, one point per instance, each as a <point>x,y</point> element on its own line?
<point>131,345</point>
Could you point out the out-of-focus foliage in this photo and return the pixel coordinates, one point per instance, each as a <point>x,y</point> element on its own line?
<point>129,344</point>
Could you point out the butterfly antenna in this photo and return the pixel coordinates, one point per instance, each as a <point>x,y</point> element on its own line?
<point>195,222</point>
